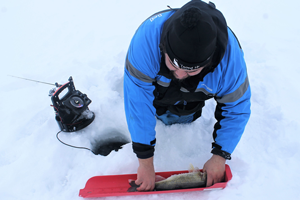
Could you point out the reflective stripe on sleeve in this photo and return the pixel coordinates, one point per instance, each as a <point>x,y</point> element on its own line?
<point>237,94</point>
<point>136,73</point>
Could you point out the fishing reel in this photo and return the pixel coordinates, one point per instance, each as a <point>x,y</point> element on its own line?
<point>71,107</point>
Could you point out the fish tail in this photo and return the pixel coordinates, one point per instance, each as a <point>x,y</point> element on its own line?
<point>193,169</point>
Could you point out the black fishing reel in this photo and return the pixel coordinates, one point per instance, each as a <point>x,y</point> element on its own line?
<point>71,107</point>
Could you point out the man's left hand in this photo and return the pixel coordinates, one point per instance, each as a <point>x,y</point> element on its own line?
<point>215,169</point>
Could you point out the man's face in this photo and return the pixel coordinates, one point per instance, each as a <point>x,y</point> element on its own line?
<point>178,73</point>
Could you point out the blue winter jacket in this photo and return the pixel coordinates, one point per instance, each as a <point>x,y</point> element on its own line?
<point>228,84</point>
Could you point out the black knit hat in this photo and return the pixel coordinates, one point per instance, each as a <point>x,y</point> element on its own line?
<point>190,35</point>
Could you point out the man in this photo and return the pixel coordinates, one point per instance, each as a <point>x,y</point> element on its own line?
<point>177,59</point>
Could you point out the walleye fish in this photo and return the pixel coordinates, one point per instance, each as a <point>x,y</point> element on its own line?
<point>182,181</point>
<point>195,178</point>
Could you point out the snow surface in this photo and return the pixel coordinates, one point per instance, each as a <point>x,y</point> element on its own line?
<point>52,40</point>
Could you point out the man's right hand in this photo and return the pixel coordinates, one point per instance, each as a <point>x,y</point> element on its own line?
<point>145,175</point>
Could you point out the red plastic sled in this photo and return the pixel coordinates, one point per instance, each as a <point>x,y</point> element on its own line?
<point>117,185</point>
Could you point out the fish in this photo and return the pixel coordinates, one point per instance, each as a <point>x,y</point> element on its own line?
<point>182,181</point>
<point>194,179</point>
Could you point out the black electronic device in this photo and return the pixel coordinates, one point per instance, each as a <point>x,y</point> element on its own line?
<point>71,107</point>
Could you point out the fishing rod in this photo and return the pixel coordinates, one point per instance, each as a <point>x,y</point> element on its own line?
<point>57,85</point>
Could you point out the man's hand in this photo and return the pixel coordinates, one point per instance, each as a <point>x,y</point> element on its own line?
<point>145,175</point>
<point>215,169</point>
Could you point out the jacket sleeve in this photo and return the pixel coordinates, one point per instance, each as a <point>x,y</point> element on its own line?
<point>140,112</point>
<point>141,66</point>
<point>233,101</point>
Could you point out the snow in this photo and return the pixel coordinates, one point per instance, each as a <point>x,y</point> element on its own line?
<point>51,40</point>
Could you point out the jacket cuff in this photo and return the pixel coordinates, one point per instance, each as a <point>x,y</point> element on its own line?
<point>143,151</point>
<point>221,153</point>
